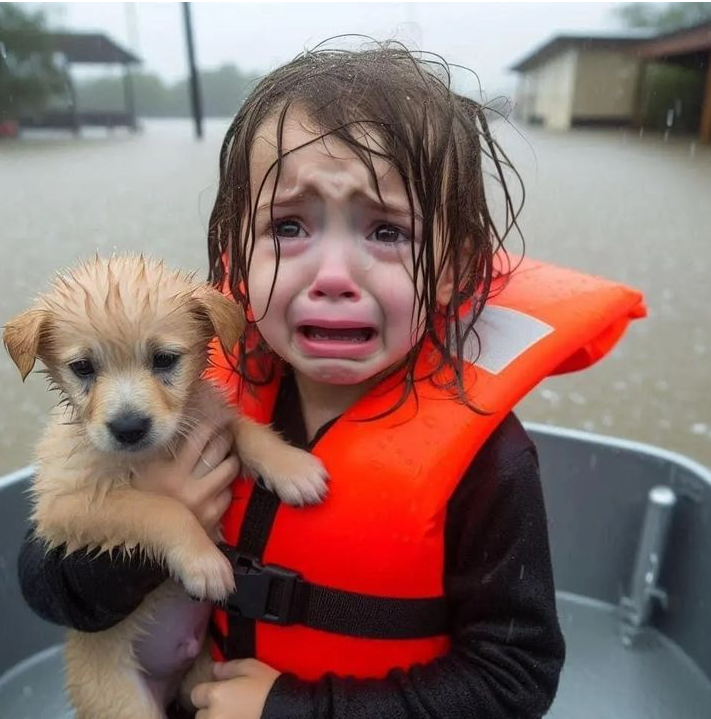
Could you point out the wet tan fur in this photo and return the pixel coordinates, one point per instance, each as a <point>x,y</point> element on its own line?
<point>118,311</point>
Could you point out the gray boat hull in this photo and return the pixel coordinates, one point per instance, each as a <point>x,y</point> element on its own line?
<point>596,492</point>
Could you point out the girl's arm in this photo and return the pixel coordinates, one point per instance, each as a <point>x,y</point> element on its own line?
<point>83,591</point>
<point>91,592</point>
<point>507,648</point>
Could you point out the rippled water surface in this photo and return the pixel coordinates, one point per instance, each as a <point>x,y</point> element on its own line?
<point>636,209</point>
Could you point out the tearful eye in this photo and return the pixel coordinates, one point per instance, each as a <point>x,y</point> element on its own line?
<point>165,360</point>
<point>388,234</point>
<point>288,229</point>
<point>82,368</point>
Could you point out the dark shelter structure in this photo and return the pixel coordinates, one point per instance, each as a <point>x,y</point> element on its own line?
<point>690,48</point>
<point>94,49</point>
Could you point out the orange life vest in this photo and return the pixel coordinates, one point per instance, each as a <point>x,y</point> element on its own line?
<point>380,531</point>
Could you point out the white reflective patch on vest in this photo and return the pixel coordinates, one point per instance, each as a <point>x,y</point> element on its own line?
<point>505,334</point>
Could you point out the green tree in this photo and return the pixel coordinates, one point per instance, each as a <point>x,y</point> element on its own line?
<point>663,17</point>
<point>28,72</point>
<point>223,91</point>
<point>152,97</point>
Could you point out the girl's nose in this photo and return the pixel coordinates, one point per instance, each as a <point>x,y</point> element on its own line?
<point>334,276</point>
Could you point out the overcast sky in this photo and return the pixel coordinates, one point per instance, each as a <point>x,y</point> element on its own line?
<point>487,37</point>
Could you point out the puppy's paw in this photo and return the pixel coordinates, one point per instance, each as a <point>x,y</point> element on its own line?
<point>205,575</point>
<point>297,477</point>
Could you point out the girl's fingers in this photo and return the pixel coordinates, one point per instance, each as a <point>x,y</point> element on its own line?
<point>217,448</point>
<point>232,669</point>
<point>199,697</point>
<point>195,443</point>
<point>223,501</point>
<point>220,478</point>
<point>218,508</point>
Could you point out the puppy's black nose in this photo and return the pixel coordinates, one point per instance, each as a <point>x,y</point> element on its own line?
<point>130,428</point>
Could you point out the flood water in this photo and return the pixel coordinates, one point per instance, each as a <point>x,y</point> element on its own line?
<point>635,209</point>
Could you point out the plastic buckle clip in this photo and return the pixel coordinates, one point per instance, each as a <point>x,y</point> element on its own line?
<point>256,585</point>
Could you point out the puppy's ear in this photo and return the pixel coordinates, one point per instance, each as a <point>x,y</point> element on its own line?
<point>225,315</point>
<point>22,338</point>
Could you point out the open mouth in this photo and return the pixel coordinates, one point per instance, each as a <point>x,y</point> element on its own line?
<point>352,335</point>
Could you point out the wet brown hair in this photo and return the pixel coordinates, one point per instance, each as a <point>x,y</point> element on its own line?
<point>437,140</point>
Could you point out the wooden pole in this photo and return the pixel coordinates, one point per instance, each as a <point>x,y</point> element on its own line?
<point>76,125</point>
<point>129,103</point>
<point>705,126</point>
<point>195,99</point>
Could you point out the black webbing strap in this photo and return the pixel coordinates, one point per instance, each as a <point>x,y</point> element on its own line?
<point>254,535</point>
<point>258,521</point>
<point>277,595</point>
<point>363,615</point>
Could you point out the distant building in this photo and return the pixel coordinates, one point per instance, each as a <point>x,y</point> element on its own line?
<point>87,49</point>
<point>574,81</point>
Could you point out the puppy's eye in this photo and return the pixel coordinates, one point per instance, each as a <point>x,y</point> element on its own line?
<point>165,360</point>
<point>82,368</point>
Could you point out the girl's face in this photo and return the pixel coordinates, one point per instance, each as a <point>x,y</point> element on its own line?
<point>342,306</point>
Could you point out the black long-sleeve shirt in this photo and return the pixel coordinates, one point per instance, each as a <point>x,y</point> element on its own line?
<point>507,649</point>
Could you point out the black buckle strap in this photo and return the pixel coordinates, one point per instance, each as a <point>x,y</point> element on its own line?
<point>275,594</point>
<point>262,591</point>
<point>369,616</point>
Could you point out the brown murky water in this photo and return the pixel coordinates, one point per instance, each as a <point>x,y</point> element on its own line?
<point>612,203</point>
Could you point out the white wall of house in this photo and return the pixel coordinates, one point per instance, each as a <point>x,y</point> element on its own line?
<point>547,91</point>
<point>606,84</point>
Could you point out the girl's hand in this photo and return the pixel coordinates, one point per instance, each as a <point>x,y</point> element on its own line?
<point>199,476</point>
<point>239,692</point>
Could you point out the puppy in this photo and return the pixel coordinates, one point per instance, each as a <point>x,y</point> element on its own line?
<point>126,341</point>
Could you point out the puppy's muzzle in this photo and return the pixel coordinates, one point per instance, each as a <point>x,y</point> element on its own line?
<point>129,429</point>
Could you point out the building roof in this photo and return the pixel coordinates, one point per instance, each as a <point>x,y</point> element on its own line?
<point>90,48</point>
<point>560,43</point>
<point>696,38</point>
<point>649,45</point>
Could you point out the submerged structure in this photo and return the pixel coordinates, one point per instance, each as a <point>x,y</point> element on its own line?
<point>620,80</point>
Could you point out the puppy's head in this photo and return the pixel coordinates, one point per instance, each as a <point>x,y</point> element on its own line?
<point>125,340</point>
